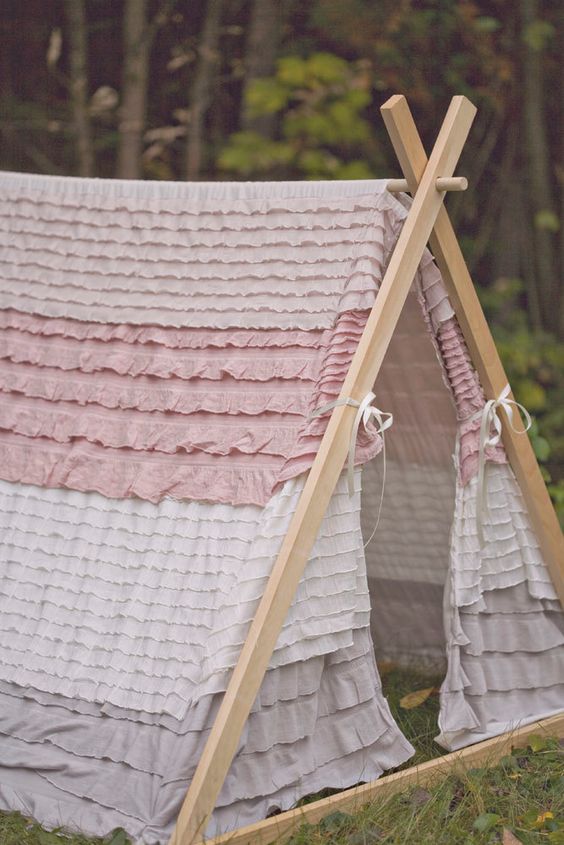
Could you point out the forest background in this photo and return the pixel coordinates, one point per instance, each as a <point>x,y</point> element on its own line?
<point>290,89</point>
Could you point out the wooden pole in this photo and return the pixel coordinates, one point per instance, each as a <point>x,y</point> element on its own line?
<point>448,255</point>
<point>297,545</point>
<point>487,753</point>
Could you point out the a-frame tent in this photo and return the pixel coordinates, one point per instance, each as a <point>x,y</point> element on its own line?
<point>150,333</point>
<point>427,220</point>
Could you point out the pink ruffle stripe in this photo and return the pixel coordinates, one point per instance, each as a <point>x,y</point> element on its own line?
<point>468,396</point>
<point>167,412</point>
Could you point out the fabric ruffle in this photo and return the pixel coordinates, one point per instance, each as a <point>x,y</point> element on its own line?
<point>95,415</point>
<point>511,553</point>
<point>145,327</point>
<point>293,266</point>
<point>148,609</point>
<point>504,624</point>
<point>183,338</point>
<point>110,768</point>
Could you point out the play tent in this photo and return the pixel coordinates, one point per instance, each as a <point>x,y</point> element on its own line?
<point>170,358</point>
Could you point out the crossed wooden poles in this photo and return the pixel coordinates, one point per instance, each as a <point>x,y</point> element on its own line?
<point>427,221</point>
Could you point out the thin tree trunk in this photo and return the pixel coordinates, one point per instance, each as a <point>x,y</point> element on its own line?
<point>13,161</point>
<point>539,184</point>
<point>561,186</point>
<point>528,270</point>
<point>76,17</point>
<point>202,88</point>
<point>137,46</point>
<point>260,58</point>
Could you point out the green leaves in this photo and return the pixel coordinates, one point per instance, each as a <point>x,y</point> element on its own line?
<point>118,837</point>
<point>487,24</point>
<point>538,743</point>
<point>46,838</point>
<point>320,100</point>
<point>266,96</point>
<point>249,153</point>
<point>547,220</point>
<point>486,822</point>
<point>538,34</point>
<point>317,69</point>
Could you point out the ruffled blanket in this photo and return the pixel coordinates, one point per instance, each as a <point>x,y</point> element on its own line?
<point>162,349</point>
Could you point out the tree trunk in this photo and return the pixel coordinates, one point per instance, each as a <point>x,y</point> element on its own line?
<point>539,180</point>
<point>136,44</point>
<point>76,18</point>
<point>260,58</point>
<point>202,88</point>
<point>7,129</point>
<point>561,185</point>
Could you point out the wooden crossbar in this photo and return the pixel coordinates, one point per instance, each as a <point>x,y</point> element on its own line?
<point>462,294</point>
<point>486,753</point>
<point>322,479</point>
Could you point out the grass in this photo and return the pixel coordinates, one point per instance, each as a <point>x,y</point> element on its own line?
<point>521,800</point>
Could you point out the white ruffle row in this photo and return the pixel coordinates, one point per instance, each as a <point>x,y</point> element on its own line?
<point>146,606</point>
<point>503,622</point>
<point>121,621</point>
<point>200,257</point>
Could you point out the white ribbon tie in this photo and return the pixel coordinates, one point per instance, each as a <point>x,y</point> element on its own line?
<point>366,411</point>
<point>490,419</point>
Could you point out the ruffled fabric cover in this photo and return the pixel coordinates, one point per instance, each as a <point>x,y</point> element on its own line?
<point>123,620</point>
<point>159,360</point>
<point>504,623</point>
<point>162,347</point>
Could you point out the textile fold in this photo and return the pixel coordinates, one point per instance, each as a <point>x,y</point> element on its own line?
<point>162,349</point>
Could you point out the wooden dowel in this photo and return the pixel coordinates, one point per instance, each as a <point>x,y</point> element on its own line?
<point>443,183</point>
<point>455,183</point>
<point>296,547</point>
<point>444,245</point>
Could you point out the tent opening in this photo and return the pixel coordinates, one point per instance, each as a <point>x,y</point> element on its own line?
<point>407,559</point>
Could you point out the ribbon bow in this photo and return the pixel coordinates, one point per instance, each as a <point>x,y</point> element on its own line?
<point>366,411</point>
<point>491,419</point>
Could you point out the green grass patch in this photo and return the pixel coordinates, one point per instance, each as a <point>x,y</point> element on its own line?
<point>521,800</point>
<point>419,725</point>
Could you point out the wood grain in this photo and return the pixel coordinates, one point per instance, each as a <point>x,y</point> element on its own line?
<point>448,255</point>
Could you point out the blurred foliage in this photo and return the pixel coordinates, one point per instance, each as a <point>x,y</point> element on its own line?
<point>323,131</point>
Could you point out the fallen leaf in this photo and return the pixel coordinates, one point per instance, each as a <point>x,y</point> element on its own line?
<point>46,838</point>
<point>458,795</point>
<point>335,821</point>
<point>386,666</point>
<point>515,776</point>
<point>416,698</point>
<point>369,836</point>
<point>509,838</point>
<point>542,818</point>
<point>419,797</point>
<point>537,743</point>
<point>485,822</point>
<point>118,837</point>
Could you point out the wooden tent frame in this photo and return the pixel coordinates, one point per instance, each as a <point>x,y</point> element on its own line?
<point>426,221</point>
